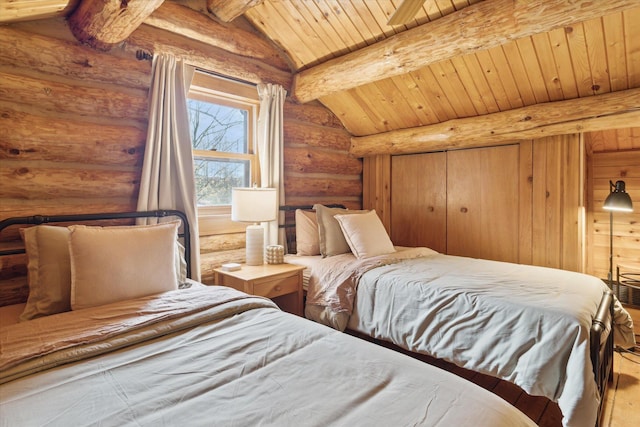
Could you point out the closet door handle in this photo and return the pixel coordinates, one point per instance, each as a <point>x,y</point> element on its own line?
<point>464,210</point>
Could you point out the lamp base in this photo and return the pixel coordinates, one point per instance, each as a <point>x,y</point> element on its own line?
<point>255,245</point>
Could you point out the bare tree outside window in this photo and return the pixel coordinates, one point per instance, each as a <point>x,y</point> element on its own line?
<point>218,129</point>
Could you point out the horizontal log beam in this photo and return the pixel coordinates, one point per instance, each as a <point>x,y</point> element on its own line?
<point>228,10</point>
<point>609,111</point>
<point>48,95</point>
<point>25,49</point>
<point>322,186</point>
<point>32,137</point>
<point>310,160</point>
<point>299,133</point>
<point>32,181</point>
<point>189,23</point>
<point>478,27</point>
<point>103,24</point>
<point>207,57</point>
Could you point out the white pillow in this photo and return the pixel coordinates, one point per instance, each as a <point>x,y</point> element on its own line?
<point>110,264</point>
<point>330,236</point>
<point>365,234</point>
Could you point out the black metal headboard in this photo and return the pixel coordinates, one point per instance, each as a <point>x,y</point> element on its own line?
<point>42,219</point>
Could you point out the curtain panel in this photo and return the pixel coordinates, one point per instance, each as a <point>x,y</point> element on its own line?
<point>167,172</point>
<point>270,152</point>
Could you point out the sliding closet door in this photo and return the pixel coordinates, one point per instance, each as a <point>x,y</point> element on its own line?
<point>483,202</point>
<point>418,200</point>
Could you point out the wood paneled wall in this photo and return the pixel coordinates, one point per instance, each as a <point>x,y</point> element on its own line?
<point>73,135</point>
<point>612,155</point>
<point>550,199</point>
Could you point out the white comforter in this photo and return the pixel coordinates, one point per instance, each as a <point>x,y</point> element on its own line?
<point>237,361</point>
<point>524,324</point>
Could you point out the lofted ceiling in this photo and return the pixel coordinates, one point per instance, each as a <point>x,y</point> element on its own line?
<point>454,60</point>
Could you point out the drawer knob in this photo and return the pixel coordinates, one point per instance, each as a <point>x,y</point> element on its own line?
<point>277,288</point>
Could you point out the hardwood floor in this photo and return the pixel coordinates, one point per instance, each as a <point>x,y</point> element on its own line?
<point>622,402</point>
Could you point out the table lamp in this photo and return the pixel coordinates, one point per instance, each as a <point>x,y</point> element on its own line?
<point>254,205</point>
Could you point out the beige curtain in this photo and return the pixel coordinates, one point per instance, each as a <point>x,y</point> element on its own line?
<point>270,152</point>
<point>167,172</point>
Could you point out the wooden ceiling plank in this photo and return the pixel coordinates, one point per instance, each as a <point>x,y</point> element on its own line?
<point>228,10</point>
<point>362,21</point>
<point>335,44</point>
<point>341,28</point>
<point>15,11</point>
<point>495,83</point>
<point>409,89</point>
<point>468,80</point>
<point>594,36</point>
<point>381,10</point>
<point>381,105</point>
<point>104,23</point>
<point>632,46</point>
<point>434,95</point>
<point>608,111</point>
<point>270,21</point>
<point>532,67</point>
<point>512,53</point>
<point>481,26</point>
<point>616,59</point>
<point>548,67</point>
<point>471,62</point>
<point>447,77</point>
<point>505,74</point>
<point>353,117</point>
<point>564,67</point>
<point>580,59</point>
<point>401,106</point>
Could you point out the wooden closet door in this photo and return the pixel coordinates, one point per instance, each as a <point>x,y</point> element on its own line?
<point>483,203</point>
<point>418,200</point>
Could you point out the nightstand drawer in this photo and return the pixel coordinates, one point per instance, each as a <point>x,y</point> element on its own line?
<point>271,288</point>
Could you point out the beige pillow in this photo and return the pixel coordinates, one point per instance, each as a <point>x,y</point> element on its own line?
<point>365,234</point>
<point>307,233</point>
<point>48,271</point>
<point>330,236</point>
<point>110,264</point>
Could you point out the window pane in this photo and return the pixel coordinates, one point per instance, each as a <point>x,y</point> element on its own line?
<point>216,178</point>
<point>218,127</point>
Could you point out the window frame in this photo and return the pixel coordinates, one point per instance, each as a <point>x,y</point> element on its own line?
<point>207,87</point>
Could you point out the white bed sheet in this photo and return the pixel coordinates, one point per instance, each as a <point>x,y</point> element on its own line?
<point>257,366</point>
<point>524,324</point>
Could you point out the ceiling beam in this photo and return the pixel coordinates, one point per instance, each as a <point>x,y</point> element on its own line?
<point>197,26</point>
<point>609,111</point>
<point>477,27</point>
<point>103,24</point>
<point>228,10</point>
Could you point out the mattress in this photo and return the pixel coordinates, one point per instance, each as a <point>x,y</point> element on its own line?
<point>216,356</point>
<point>524,324</point>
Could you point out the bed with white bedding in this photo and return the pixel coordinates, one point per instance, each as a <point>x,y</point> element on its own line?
<point>524,324</point>
<point>203,355</point>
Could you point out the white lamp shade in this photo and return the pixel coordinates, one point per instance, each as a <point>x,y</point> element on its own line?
<point>253,204</point>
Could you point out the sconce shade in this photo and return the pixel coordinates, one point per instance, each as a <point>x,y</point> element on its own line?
<point>253,204</point>
<point>618,199</point>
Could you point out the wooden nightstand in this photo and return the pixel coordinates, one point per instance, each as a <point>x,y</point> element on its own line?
<point>280,282</point>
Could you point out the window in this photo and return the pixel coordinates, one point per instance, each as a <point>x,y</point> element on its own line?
<point>222,120</point>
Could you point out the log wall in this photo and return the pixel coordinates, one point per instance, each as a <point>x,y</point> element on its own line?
<point>73,136</point>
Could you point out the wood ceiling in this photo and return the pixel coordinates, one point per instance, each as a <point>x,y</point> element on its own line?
<point>456,60</point>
